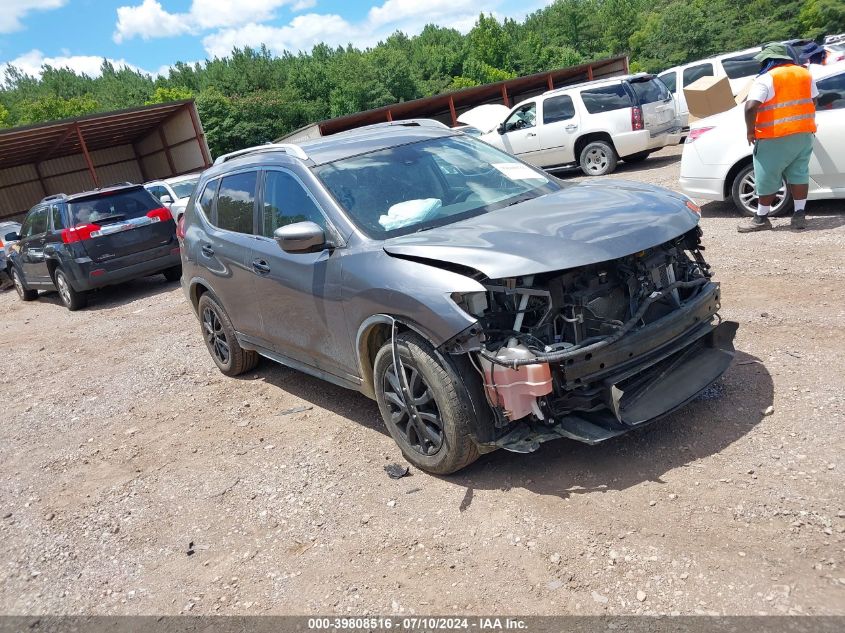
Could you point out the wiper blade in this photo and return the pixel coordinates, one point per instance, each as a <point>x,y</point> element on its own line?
<point>520,200</point>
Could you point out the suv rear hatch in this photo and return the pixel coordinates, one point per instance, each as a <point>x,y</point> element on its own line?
<point>656,103</point>
<point>117,223</point>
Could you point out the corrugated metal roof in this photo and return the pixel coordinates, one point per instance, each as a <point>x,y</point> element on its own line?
<point>37,143</point>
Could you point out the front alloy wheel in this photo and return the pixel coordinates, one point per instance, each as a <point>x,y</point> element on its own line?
<point>422,427</point>
<point>745,198</point>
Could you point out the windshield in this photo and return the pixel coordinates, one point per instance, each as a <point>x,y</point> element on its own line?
<point>431,183</point>
<point>120,205</point>
<point>184,188</point>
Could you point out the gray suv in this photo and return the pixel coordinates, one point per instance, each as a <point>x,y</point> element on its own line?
<point>482,303</point>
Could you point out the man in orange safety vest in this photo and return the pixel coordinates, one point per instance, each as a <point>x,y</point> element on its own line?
<point>780,120</point>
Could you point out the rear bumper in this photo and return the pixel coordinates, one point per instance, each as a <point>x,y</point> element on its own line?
<point>88,274</point>
<point>707,188</point>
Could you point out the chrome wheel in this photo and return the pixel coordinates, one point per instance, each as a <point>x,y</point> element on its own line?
<point>422,429</point>
<point>749,199</point>
<point>596,161</point>
<point>63,288</point>
<point>215,337</point>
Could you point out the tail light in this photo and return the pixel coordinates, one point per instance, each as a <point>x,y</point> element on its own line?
<point>696,133</point>
<point>180,227</point>
<point>80,233</point>
<point>162,214</point>
<point>636,118</point>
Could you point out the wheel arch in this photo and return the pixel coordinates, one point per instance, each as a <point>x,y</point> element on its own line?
<point>728,184</point>
<point>588,138</point>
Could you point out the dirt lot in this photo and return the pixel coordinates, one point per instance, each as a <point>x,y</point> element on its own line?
<point>122,445</point>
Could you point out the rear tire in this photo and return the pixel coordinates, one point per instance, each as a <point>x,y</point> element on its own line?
<point>637,158</point>
<point>598,158</point>
<point>72,299</point>
<point>440,443</point>
<point>745,197</point>
<point>220,340</point>
<point>174,273</point>
<point>24,293</point>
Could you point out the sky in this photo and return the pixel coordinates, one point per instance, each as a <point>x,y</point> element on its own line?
<point>151,35</point>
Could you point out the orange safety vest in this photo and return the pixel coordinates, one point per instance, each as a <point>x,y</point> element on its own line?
<point>791,111</point>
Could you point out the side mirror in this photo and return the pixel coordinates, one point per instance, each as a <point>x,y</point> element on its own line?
<point>166,199</point>
<point>11,237</point>
<point>500,128</point>
<point>301,237</point>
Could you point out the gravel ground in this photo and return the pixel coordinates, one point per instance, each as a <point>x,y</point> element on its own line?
<point>138,480</point>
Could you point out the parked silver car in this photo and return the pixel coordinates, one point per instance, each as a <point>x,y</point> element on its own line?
<point>481,302</point>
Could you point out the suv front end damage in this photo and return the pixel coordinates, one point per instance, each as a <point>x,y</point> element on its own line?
<point>592,352</point>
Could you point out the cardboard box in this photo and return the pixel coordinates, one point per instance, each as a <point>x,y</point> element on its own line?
<point>708,96</point>
<point>742,95</point>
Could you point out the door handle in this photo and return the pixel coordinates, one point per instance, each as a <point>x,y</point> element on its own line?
<point>260,266</point>
<point>531,134</point>
<point>207,250</point>
<point>571,128</point>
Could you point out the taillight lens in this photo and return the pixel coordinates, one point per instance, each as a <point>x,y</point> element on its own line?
<point>180,227</point>
<point>636,118</point>
<point>79,233</point>
<point>696,133</point>
<point>162,214</point>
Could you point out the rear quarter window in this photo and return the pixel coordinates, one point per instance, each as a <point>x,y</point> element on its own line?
<point>118,205</point>
<point>741,66</point>
<point>606,98</point>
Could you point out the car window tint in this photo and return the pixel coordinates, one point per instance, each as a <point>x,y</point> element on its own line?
<point>741,66</point>
<point>558,109</point>
<point>204,201</point>
<point>119,205</point>
<point>522,118</point>
<point>236,202</point>
<point>56,212</point>
<point>157,191</point>
<point>832,93</point>
<point>286,202</point>
<point>184,188</point>
<point>670,80</point>
<point>650,91</point>
<point>694,73</point>
<point>606,98</point>
<point>36,223</point>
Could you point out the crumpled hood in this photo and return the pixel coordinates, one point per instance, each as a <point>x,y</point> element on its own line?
<point>484,117</point>
<point>583,224</point>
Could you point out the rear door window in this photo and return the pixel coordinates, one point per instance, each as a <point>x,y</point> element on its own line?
<point>670,81</point>
<point>606,98</point>
<point>115,206</point>
<point>650,91</point>
<point>741,66</point>
<point>558,108</point>
<point>693,73</point>
<point>236,202</point>
<point>286,202</point>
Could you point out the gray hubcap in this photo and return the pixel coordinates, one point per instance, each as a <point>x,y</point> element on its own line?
<point>748,195</point>
<point>596,161</point>
<point>64,289</point>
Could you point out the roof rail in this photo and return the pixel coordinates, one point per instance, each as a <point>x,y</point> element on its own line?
<point>288,148</point>
<point>55,196</point>
<point>403,123</point>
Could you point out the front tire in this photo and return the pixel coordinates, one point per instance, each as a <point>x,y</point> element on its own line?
<point>220,340</point>
<point>24,293</point>
<point>72,299</point>
<point>598,158</point>
<point>744,194</point>
<point>438,440</point>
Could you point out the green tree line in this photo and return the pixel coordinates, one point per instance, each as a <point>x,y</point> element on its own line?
<point>253,96</point>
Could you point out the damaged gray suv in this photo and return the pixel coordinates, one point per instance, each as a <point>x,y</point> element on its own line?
<point>481,303</point>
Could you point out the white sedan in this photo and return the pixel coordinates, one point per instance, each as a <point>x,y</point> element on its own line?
<point>716,162</point>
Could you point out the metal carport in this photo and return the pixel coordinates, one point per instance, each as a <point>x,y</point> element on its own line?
<point>73,155</point>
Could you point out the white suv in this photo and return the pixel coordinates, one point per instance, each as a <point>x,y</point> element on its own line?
<point>592,124</point>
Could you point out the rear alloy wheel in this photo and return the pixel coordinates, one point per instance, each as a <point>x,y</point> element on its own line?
<point>744,194</point>
<point>72,299</point>
<point>598,158</point>
<point>174,273</point>
<point>433,433</point>
<point>220,340</point>
<point>23,292</point>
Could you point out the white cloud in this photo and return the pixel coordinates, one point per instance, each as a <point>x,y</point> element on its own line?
<point>302,5</point>
<point>13,11</point>
<point>304,31</point>
<point>150,20</point>
<point>31,63</point>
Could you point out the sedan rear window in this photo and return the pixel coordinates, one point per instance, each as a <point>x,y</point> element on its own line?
<point>114,205</point>
<point>606,99</point>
